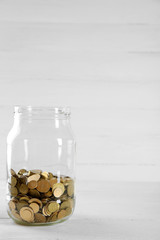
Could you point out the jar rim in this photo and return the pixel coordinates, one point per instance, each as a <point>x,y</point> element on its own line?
<point>30,109</point>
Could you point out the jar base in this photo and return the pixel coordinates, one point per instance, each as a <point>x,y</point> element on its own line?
<point>19,222</point>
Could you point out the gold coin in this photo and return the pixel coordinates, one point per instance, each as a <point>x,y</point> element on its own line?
<point>67,204</point>
<point>12,205</point>
<point>22,171</point>
<point>23,188</point>
<point>14,199</point>
<point>52,218</point>
<point>60,185</point>
<point>50,175</point>
<point>27,214</point>
<point>22,179</point>
<point>70,190</point>
<point>39,218</point>
<point>58,192</point>
<point>66,180</point>
<point>13,173</point>
<point>21,204</point>
<point>34,193</point>
<point>35,207</point>
<point>58,189</point>
<point>18,184</point>
<point>72,202</point>
<point>68,211</point>
<point>32,184</point>
<point>44,200</point>
<point>44,211</point>
<point>13,181</point>
<point>14,191</point>
<point>62,214</point>
<point>43,186</point>
<point>35,171</point>
<point>44,175</point>
<point>47,212</point>
<point>64,197</point>
<point>52,181</point>
<point>35,200</point>
<point>34,177</point>
<point>16,214</point>
<point>48,194</point>
<point>25,198</point>
<point>53,207</point>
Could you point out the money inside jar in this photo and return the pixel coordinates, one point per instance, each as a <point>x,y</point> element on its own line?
<point>40,197</point>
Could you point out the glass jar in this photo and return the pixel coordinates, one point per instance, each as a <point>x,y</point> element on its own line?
<point>40,166</point>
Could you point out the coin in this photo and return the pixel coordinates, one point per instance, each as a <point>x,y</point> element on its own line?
<point>35,207</point>
<point>14,191</point>
<point>47,212</point>
<point>52,181</point>
<point>18,184</point>
<point>52,218</point>
<point>14,199</point>
<point>44,175</point>
<point>70,189</point>
<point>12,205</point>
<point>27,214</point>
<point>44,209</point>
<point>39,218</point>
<point>43,186</point>
<point>53,207</point>
<point>25,198</point>
<point>32,184</point>
<point>35,171</point>
<point>21,204</point>
<point>44,200</point>
<point>13,181</point>
<point>23,188</point>
<point>66,204</point>
<point>71,202</point>
<point>62,214</point>
<point>68,211</point>
<point>58,189</point>
<point>50,175</point>
<point>34,193</point>
<point>22,179</point>
<point>13,173</point>
<point>58,192</point>
<point>64,197</point>
<point>34,177</point>
<point>35,200</point>
<point>16,214</point>
<point>21,171</point>
<point>66,180</point>
<point>48,194</point>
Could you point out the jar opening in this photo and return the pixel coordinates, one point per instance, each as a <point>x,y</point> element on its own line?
<point>43,111</point>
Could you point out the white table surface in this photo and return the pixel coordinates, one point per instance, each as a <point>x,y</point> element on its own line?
<point>101,57</point>
<point>104,210</point>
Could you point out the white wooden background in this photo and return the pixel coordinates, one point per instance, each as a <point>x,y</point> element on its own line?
<point>102,58</point>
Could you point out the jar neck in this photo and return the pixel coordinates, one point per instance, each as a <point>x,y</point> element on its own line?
<point>59,116</point>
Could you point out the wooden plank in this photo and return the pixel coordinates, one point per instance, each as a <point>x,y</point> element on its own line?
<point>110,11</point>
<point>83,38</point>
<point>99,57</point>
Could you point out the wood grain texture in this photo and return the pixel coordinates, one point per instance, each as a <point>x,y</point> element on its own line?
<point>99,57</point>
<point>102,59</point>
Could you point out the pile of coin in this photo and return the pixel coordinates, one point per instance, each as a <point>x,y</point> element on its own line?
<point>40,197</point>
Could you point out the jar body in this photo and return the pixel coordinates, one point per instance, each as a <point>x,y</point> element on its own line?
<point>40,166</point>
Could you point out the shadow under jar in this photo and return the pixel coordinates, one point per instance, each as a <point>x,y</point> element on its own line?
<point>40,166</point>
